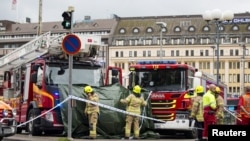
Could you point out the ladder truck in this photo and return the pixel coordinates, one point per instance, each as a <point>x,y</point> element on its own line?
<point>171,85</point>
<point>34,72</point>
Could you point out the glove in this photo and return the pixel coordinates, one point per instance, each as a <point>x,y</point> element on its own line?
<point>123,101</point>
<point>191,118</point>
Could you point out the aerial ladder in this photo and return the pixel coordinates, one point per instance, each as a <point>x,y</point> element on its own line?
<point>28,52</point>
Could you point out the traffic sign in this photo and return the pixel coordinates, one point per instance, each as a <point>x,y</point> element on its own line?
<point>71,44</point>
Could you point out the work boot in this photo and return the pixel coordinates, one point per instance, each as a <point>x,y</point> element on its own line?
<point>126,138</point>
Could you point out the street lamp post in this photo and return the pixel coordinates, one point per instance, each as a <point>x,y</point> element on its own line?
<point>218,17</point>
<point>162,25</point>
<point>242,74</point>
<point>213,47</point>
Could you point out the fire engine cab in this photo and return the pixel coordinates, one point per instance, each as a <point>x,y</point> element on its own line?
<point>33,73</point>
<point>171,85</point>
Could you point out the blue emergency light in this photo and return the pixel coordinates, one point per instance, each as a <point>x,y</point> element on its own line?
<point>145,62</point>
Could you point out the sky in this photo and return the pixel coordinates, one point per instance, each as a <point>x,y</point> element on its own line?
<point>102,9</point>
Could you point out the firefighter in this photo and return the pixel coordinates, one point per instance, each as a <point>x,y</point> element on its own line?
<point>91,110</point>
<point>197,111</point>
<point>209,107</point>
<point>244,105</point>
<point>220,107</point>
<point>134,102</point>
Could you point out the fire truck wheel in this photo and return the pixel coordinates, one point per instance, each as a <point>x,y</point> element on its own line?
<point>32,128</point>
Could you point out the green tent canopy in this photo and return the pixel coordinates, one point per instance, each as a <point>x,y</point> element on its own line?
<point>111,124</point>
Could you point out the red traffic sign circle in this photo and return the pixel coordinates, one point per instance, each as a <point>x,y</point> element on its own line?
<point>71,44</point>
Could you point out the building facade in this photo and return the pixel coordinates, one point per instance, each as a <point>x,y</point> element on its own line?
<point>186,38</point>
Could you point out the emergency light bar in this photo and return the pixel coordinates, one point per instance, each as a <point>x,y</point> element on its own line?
<point>157,62</point>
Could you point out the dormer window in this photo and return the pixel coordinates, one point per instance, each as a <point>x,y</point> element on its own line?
<point>206,28</point>
<point>149,30</point>
<point>191,29</point>
<point>235,28</point>
<point>136,30</point>
<point>177,29</point>
<point>122,31</point>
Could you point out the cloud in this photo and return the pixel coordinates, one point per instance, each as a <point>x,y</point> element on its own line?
<point>102,9</point>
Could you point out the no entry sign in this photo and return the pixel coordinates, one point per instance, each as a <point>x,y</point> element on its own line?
<point>71,44</point>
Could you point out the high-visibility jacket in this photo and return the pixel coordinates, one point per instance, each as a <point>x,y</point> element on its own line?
<point>90,108</point>
<point>245,102</point>
<point>220,107</point>
<point>197,108</point>
<point>134,103</point>
<point>209,100</point>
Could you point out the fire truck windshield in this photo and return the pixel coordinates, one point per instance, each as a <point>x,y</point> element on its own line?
<point>161,80</point>
<point>54,75</point>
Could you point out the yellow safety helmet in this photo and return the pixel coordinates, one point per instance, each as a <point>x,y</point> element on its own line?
<point>137,89</point>
<point>199,89</point>
<point>217,90</point>
<point>87,89</point>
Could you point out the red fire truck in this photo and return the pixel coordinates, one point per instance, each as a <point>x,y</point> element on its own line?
<point>172,85</point>
<point>33,72</point>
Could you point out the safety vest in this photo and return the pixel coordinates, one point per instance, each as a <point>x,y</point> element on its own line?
<point>90,108</point>
<point>197,109</point>
<point>134,104</point>
<point>209,100</point>
<point>246,103</point>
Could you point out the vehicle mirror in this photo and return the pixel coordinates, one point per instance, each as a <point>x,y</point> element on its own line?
<point>191,91</point>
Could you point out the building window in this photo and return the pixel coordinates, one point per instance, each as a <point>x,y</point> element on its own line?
<point>221,28</point>
<point>144,53</point>
<point>149,30</point>
<point>191,29</point>
<point>206,28</point>
<point>187,53</point>
<point>235,28</point>
<point>201,53</point>
<point>121,53</point>
<point>221,52</point>
<point>206,53</point>
<point>122,31</point>
<point>192,53</point>
<point>248,27</point>
<point>149,53</point>
<point>135,53</point>
<point>231,52</point>
<point>236,52</point>
<point>136,30</point>
<point>177,53</point>
<point>177,29</point>
<point>172,52</point>
<point>116,54</point>
<point>130,53</point>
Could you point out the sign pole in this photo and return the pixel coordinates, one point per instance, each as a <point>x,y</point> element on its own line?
<point>71,9</point>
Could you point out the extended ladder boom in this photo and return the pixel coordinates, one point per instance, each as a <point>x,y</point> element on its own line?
<point>26,53</point>
<point>46,44</point>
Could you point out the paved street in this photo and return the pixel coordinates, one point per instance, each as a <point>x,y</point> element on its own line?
<point>25,137</point>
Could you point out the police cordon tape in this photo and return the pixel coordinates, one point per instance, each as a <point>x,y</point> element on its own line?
<point>115,109</point>
<point>95,103</point>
